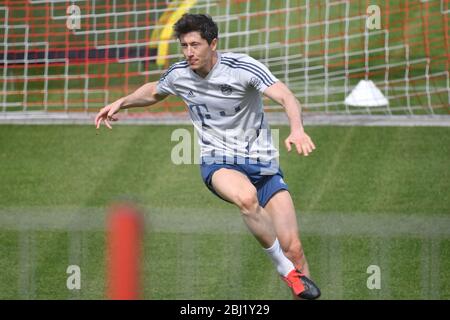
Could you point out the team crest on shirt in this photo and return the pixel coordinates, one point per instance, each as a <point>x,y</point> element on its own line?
<point>226,89</point>
<point>255,83</point>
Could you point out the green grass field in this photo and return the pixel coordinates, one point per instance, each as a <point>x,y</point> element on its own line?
<point>366,196</point>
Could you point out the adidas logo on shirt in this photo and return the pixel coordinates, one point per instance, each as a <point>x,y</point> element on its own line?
<point>191,94</point>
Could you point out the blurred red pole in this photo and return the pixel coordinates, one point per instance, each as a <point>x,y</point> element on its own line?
<point>125,233</point>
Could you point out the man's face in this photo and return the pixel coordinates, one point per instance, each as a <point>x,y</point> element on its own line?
<point>197,52</point>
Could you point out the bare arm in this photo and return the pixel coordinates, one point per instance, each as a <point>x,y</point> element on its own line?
<point>281,94</point>
<point>142,97</point>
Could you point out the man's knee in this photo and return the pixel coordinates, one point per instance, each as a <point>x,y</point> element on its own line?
<point>247,202</point>
<point>294,249</point>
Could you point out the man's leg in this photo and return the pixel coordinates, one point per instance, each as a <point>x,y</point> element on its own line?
<point>234,186</point>
<point>282,212</point>
<point>281,209</point>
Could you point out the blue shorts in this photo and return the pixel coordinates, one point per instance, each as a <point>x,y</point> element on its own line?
<point>266,177</point>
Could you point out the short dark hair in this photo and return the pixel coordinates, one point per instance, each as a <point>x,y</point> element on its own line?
<point>202,23</point>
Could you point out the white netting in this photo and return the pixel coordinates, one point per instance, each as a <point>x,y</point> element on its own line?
<point>52,62</point>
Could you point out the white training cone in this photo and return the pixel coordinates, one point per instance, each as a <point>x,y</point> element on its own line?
<point>366,94</point>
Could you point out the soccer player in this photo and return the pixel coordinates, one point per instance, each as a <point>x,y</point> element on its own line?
<point>223,93</point>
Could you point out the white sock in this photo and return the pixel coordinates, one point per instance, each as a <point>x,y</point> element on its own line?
<point>283,264</point>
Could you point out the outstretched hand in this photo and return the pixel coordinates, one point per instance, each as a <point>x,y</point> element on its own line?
<point>302,142</point>
<point>107,114</point>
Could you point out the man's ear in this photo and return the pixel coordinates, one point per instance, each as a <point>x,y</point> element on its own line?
<point>213,44</point>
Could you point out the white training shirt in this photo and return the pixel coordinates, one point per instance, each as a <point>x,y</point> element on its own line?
<point>226,106</point>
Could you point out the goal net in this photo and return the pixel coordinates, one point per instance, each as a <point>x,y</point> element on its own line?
<point>338,57</point>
